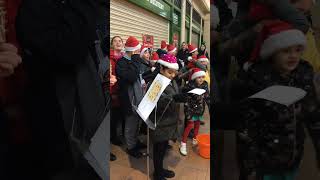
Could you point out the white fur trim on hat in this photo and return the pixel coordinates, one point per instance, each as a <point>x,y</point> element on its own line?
<point>189,58</point>
<point>142,52</point>
<point>168,65</point>
<point>282,40</point>
<point>133,48</point>
<point>203,60</point>
<point>198,74</point>
<point>173,50</point>
<point>195,49</point>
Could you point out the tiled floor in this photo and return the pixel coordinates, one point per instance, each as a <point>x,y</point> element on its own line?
<point>191,167</point>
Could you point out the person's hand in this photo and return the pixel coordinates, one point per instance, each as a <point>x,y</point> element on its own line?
<point>9,59</point>
<point>113,80</point>
<point>144,87</point>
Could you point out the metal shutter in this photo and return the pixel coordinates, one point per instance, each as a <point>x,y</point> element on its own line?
<point>127,19</point>
<point>195,38</point>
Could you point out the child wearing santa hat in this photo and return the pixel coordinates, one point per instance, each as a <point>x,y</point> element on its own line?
<point>162,49</point>
<point>166,116</point>
<point>153,70</point>
<point>238,37</point>
<point>145,53</point>
<point>271,136</point>
<point>145,59</point>
<point>193,51</point>
<point>131,92</point>
<point>200,63</point>
<point>155,58</point>
<point>194,107</point>
<point>203,60</point>
<point>172,49</point>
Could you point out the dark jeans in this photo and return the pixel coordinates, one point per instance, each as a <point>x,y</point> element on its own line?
<point>117,119</point>
<point>132,130</point>
<point>159,150</point>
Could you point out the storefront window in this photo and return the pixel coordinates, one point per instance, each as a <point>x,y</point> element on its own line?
<point>177,3</point>
<point>188,8</point>
<point>175,18</point>
<point>196,16</point>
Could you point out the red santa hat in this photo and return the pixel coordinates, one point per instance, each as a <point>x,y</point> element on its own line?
<point>132,44</point>
<point>259,11</point>
<point>196,72</point>
<point>171,48</point>
<point>192,48</point>
<point>203,58</point>
<point>163,44</point>
<point>155,57</point>
<point>274,36</point>
<point>169,61</point>
<point>143,49</point>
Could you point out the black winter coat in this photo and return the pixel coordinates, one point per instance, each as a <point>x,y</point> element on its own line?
<point>269,138</point>
<point>128,75</point>
<point>195,104</point>
<point>166,113</point>
<point>182,56</point>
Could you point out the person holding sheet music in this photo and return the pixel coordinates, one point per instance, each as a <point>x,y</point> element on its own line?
<point>195,106</point>
<point>165,117</point>
<point>270,136</point>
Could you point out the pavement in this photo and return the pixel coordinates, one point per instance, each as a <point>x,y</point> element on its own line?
<point>190,167</point>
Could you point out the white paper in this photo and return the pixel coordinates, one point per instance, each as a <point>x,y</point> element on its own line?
<point>151,98</point>
<point>284,95</point>
<point>197,91</point>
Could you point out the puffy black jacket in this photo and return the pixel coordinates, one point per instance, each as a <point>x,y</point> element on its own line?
<point>270,139</point>
<point>195,104</point>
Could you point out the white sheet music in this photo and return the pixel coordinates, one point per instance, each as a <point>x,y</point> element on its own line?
<point>197,91</point>
<point>151,98</point>
<point>284,95</point>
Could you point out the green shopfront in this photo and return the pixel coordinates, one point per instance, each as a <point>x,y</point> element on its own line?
<point>158,18</point>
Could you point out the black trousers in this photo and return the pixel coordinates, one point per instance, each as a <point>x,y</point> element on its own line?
<point>159,150</point>
<point>117,119</point>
